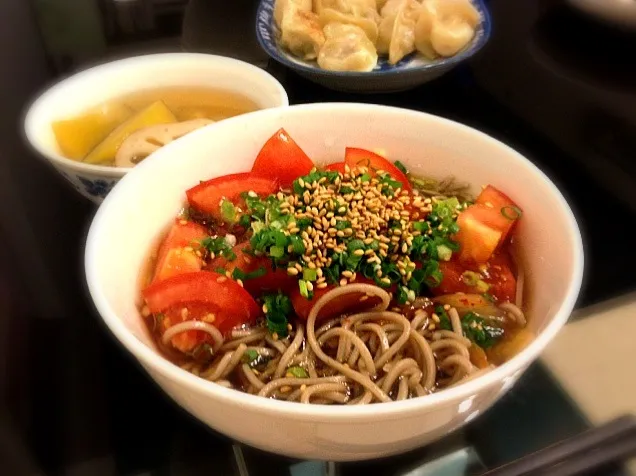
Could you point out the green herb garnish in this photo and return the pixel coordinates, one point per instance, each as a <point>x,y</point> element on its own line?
<point>277,308</point>
<point>218,246</point>
<point>228,211</point>
<point>401,167</point>
<point>480,331</point>
<point>297,372</point>
<point>249,356</point>
<point>511,213</point>
<point>243,276</point>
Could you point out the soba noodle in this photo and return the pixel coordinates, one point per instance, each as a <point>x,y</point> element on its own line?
<point>357,359</point>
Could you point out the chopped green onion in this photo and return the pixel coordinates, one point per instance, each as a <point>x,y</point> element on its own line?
<point>402,295</point>
<point>365,177</point>
<point>511,213</point>
<point>303,223</point>
<point>249,356</point>
<point>482,286</point>
<point>218,246</point>
<point>470,278</point>
<point>310,274</point>
<point>276,252</point>
<point>277,308</point>
<point>421,226</point>
<point>228,211</point>
<point>243,276</point>
<point>297,372</point>
<point>298,247</point>
<point>302,286</point>
<point>343,224</point>
<point>481,331</point>
<point>444,252</point>
<point>400,166</point>
<point>245,221</point>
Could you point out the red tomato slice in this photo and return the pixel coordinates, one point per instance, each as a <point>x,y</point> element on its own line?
<point>501,278</point>
<point>207,196</point>
<point>365,158</point>
<point>281,159</point>
<point>347,303</point>
<point>176,254</point>
<point>506,212</point>
<point>336,167</point>
<point>497,274</point>
<point>231,304</point>
<point>272,280</point>
<point>479,234</point>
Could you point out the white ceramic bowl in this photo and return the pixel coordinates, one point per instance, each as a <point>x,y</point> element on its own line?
<point>91,87</point>
<point>150,196</point>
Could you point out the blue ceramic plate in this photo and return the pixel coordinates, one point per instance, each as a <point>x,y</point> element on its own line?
<point>411,71</point>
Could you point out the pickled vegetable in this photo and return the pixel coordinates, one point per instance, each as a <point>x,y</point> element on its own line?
<point>78,136</point>
<point>155,113</point>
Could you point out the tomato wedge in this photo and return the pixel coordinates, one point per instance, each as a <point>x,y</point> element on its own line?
<point>272,280</point>
<point>207,196</point>
<point>508,212</point>
<point>497,273</point>
<point>347,303</point>
<point>228,301</point>
<point>281,159</point>
<point>485,226</point>
<point>176,254</point>
<point>365,158</point>
<point>478,235</point>
<point>336,167</point>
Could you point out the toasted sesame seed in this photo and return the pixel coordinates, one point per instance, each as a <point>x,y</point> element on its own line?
<point>347,274</point>
<point>343,282</point>
<point>221,279</point>
<point>298,266</point>
<point>322,285</point>
<point>184,313</point>
<point>310,286</point>
<point>386,280</point>
<point>264,308</point>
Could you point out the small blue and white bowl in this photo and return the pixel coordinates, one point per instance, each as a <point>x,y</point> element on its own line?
<point>410,72</point>
<point>92,87</point>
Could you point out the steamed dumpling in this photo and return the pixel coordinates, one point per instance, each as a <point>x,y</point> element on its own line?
<point>284,6</point>
<point>301,33</point>
<point>396,33</point>
<point>347,48</point>
<point>356,7</point>
<point>366,23</point>
<point>445,27</point>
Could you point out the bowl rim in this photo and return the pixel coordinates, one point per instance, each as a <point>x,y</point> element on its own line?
<point>154,361</point>
<point>273,49</point>
<point>138,61</point>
